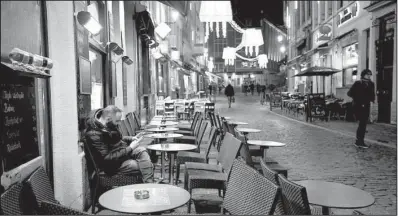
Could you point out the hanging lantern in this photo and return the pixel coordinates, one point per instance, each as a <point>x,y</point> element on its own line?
<point>252,39</point>
<point>229,55</point>
<point>215,11</point>
<point>156,53</point>
<point>262,61</point>
<point>175,55</point>
<point>162,30</point>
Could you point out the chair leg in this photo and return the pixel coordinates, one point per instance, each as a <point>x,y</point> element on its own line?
<point>177,172</point>
<point>190,201</point>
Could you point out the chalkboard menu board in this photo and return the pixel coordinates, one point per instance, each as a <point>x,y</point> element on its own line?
<point>316,105</point>
<point>19,141</point>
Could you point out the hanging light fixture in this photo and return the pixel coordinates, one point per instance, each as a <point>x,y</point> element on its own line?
<point>215,11</point>
<point>252,38</point>
<point>156,53</point>
<point>210,65</point>
<point>262,61</point>
<point>162,30</point>
<point>229,55</point>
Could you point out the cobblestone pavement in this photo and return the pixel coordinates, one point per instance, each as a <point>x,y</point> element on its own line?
<point>385,134</point>
<point>313,153</point>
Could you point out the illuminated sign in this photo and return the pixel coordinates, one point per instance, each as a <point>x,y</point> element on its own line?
<point>324,33</point>
<point>347,14</point>
<point>247,64</point>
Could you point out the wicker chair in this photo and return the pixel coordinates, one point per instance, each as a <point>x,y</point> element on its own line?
<point>39,183</point>
<point>295,199</point>
<point>249,193</point>
<point>356,212</point>
<point>49,208</point>
<point>98,178</point>
<point>199,175</point>
<point>186,156</point>
<point>190,130</point>
<point>11,200</point>
<point>246,154</point>
<point>197,139</point>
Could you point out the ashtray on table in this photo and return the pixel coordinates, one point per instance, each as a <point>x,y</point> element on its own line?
<point>141,194</point>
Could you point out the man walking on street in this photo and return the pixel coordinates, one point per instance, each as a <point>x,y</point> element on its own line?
<point>252,88</point>
<point>362,93</point>
<point>230,93</point>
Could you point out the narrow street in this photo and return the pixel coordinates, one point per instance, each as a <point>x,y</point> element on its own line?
<point>313,153</point>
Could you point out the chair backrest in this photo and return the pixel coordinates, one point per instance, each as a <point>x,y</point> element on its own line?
<point>231,129</point>
<point>92,168</point>
<point>137,120</point>
<point>130,120</point>
<point>269,173</point>
<point>249,193</point>
<point>41,187</point>
<point>228,152</point>
<point>123,128</point>
<point>12,200</point>
<point>195,119</point>
<point>129,129</point>
<point>197,126</point>
<point>169,106</point>
<point>201,133</point>
<point>48,208</point>
<point>212,140</point>
<point>218,122</point>
<point>294,197</point>
<point>225,127</point>
<point>244,151</point>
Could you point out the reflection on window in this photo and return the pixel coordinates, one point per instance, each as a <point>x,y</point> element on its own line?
<point>350,55</point>
<point>349,76</point>
<point>97,92</point>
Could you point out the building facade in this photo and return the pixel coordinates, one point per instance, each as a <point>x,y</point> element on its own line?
<point>343,35</point>
<point>120,65</point>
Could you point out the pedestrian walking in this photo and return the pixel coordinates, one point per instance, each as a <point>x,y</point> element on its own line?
<point>252,88</point>
<point>245,87</point>
<point>362,93</point>
<point>210,89</point>
<point>262,100</point>
<point>258,89</point>
<point>230,93</point>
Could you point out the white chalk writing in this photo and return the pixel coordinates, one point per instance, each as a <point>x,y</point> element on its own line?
<point>8,108</point>
<point>12,120</point>
<point>13,146</point>
<point>7,95</point>
<point>12,135</point>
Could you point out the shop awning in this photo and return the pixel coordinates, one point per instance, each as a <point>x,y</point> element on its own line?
<point>345,34</point>
<point>180,6</point>
<point>145,28</point>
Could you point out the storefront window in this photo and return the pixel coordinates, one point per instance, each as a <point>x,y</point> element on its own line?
<point>350,63</point>
<point>349,76</point>
<point>97,79</point>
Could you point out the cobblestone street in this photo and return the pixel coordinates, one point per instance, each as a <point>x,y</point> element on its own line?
<point>313,153</point>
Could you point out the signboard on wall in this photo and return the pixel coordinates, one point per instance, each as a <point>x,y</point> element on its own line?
<point>347,14</point>
<point>18,117</point>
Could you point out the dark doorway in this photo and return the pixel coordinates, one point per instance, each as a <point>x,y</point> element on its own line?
<point>384,67</point>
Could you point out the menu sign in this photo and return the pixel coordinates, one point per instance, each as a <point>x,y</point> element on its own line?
<point>19,141</point>
<point>317,106</point>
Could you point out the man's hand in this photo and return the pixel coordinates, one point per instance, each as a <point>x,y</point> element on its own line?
<point>135,143</point>
<point>129,138</point>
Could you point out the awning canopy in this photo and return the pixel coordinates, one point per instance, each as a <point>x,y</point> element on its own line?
<point>145,28</point>
<point>317,71</point>
<point>180,6</point>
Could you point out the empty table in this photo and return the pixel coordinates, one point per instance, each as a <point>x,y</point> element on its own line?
<point>335,195</point>
<point>246,131</point>
<point>161,129</point>
<point>161,198</point>
<point>171,149</point>
<point>264,145</point>
<point>227,117</point>
<point>235,123</point>
<point>163,124</point>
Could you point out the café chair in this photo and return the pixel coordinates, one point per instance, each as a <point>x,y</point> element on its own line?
<point>11,200</point>
<point>249,193</point>
<point>196,140</point>
<point>186,156</point>
<point>190,126</point>
<point>49,208</point>
<point>295,199</point>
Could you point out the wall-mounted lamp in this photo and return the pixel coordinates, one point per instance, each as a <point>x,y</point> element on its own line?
<point>280,38</point>
<point>88,22</point>
<point>175,15</point>
<point>282,49</point>
<point>162,30</point>
<point>127,60</point>
<point>113,46</point>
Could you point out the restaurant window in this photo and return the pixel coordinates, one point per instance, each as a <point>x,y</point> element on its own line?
<point>97,78</point>
<point>350,63</point>
<point>22,27</point>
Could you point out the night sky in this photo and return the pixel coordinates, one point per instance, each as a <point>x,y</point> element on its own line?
<point>272,10</point>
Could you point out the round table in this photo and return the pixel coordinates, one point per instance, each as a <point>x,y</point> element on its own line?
<point>335,195</point>
<point>161,129</point>
<point>171,149</point>
<point>163,124</point>
<point>161,198</point>
<point>235,123</point>
<point>227,117</point>
<point>264,145</point>
<point>163,135</point>
<point>246,131</point>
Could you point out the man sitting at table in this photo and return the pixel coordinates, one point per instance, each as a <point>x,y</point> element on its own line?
<point>114,153</point>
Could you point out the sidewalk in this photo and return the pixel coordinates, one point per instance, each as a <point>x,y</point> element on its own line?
<point>382,134</point>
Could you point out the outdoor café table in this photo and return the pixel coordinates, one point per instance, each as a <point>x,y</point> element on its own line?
<point>227,117</point>
<point>163,124</point>
<point>161,129</point>
<point>264,145</point>
<point>236,123</point>
<point>171,149</point>
<point>162,198</point>
<point>246,131</point>
<point>335,195</point>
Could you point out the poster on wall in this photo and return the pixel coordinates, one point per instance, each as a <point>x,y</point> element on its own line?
<point>97,96</point>
<point>18,117</point>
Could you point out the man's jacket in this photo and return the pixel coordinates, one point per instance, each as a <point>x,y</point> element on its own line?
<point>229,91</point>
<point>108,147</point>
<point>362,92</point>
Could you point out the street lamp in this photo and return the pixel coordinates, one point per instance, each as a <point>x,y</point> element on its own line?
<point>282,49</point>
<point>175,15</point>
<point>280,38</point>
<point>88,22</point>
